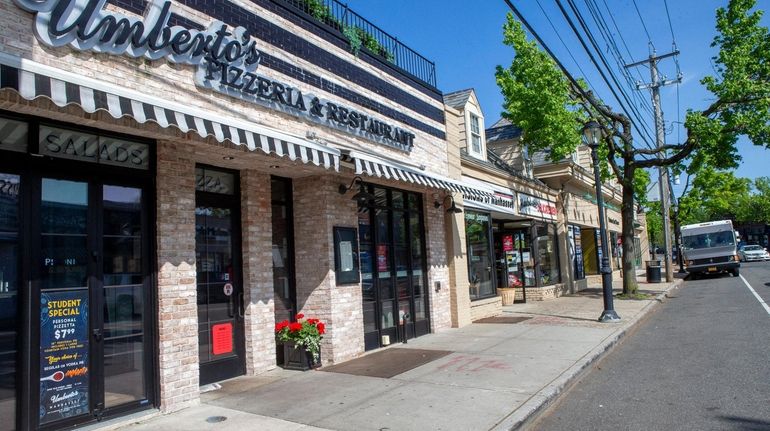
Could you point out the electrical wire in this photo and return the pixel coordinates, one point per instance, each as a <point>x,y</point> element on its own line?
<point>641,125</point>
<point>569,51</point>
<point>670,27</point>
<point>649,39</point>
<point>548,50</point>
<point>606,33</point>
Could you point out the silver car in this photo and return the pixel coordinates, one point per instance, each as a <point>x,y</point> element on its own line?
<point>751,253</point>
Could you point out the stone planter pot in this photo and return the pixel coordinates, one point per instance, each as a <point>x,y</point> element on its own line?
<point>508,294</point>
<point>297,358</point>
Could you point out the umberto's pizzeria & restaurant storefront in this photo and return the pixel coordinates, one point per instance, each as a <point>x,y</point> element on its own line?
<point>172,184</point>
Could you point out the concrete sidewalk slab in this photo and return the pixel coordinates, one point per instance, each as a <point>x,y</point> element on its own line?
<point>498,376</point>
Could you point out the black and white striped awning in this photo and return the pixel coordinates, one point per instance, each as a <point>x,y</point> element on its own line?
<point>32,80</point>
<point>378,167</point>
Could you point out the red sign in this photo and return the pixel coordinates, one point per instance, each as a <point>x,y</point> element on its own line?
<point>507,242</point>
<point>382,257</point>
<point>222,338</point>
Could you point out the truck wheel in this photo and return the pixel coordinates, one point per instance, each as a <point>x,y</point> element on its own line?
<point>736,272</point>
<point>693,276</point>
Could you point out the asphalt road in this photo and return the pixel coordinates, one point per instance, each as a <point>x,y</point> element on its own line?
<point>701,362</point>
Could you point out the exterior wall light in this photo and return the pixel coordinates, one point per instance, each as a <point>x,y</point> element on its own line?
<point>362,197</point>
<point>452,208</point>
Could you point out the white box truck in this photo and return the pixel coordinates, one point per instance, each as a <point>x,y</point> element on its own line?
<point>710,248</point>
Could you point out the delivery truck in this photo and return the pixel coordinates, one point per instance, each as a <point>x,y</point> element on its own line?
<point>710,248</point>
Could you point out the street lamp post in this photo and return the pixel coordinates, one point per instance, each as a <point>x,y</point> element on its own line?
<point>592,132</point>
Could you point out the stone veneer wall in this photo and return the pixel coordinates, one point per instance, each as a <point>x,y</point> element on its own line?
<point>256,233</point>
<point>438,267</point>
<point>318,207</point>
<point>487,307</point>
<point>177,291</point>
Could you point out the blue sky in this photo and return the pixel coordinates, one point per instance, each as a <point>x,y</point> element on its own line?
<point>464,39</point>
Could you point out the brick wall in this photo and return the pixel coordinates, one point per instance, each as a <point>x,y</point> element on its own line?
<point>318,207</point>
<point>256,232</point>
<point>438,266</point>
<point>177,300</point>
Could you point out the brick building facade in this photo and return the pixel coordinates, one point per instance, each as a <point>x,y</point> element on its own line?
<point>247,152</point>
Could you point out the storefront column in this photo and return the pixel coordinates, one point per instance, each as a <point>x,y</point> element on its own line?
<point>438,267</point>
<point>177,301</point>
<point>259,318</point>
<point>566,263</point>
<point>459,296</point>
<point>318,207</point>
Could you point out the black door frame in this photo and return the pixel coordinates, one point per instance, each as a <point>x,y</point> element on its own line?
<point>31,168</point>
<point>226,368</point>
<point>413,328</point>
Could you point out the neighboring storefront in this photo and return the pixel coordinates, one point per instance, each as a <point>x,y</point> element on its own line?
<point>508,237</point>
<point>171,186</point>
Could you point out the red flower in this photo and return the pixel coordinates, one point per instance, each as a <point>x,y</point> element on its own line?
<point>312,321</point>
<point>300,316</point>
<point>321,328</point>
<point>295,327</point>
<point>280,325</point>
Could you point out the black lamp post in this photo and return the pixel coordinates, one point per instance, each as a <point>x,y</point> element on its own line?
<point>592,132</point>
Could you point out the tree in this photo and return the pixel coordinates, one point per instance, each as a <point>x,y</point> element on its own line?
<point>715,195</point>
<point>740,107</point>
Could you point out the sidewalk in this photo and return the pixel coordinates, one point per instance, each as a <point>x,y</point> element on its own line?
<point>495,376</point>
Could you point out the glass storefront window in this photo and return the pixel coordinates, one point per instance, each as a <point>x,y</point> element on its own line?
<point>548,261</point>
<point>9,285</point>
<point>480,259</point>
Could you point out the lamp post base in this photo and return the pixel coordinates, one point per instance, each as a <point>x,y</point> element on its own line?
<point>609,316</point>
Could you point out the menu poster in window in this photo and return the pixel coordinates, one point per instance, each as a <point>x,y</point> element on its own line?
<point>507,242</point>
<point>382,257</point>
<point>525,256</point>
<point>579,271</point>
<point>346,264</point>
<point>64,372</point>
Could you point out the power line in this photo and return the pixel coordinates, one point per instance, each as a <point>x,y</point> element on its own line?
<point>649,39</point>
<point>642,126</point>
<point>569,51</point>
<point>670,27</point>
<point>617,29</point>
<point>606,33</point>
<point>548,50</point>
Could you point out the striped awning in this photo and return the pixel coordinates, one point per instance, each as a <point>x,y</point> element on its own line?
<point>32,80</point>
<point>377,167</point>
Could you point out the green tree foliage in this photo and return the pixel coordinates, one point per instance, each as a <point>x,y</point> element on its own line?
<point>538,99</point>
<point>715,195</point>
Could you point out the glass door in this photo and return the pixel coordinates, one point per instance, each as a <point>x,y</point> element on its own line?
<point>220,294</point>
<point>93,277</point>
<point>391,245</point>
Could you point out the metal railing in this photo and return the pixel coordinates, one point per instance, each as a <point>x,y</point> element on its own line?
<point>363,34</point>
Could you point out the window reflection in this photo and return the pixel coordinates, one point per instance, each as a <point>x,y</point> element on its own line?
<point>9,277</point>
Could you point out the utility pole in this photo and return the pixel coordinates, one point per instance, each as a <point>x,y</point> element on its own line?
<point>654,86</point>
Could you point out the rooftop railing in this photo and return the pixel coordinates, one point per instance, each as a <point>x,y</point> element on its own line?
<point>363,34</point>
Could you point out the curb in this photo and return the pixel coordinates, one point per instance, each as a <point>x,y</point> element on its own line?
<point>539,402</point>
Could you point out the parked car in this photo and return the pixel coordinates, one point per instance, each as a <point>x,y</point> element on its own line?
<point>753,252</point>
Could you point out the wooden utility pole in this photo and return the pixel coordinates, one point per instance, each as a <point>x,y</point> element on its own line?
<point>654,86</point>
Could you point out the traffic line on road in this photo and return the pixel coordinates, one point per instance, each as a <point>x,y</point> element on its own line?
<point>759,298</point>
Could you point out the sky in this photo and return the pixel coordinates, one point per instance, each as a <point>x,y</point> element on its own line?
<point>464,39</point>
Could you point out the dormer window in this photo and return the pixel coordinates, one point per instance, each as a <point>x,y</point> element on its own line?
<point>477,146</point>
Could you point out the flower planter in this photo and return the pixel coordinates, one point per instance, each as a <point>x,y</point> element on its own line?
<point>508,294</point>
<point>297,358</point>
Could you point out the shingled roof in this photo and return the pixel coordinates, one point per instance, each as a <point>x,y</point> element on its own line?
<point>502,130</point>
<point>458,99</point>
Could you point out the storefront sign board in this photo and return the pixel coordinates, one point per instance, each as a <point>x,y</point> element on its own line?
<point>536,207</point>
<point>225,59</point>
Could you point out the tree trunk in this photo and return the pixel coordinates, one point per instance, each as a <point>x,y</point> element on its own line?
<point>627,214</point>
